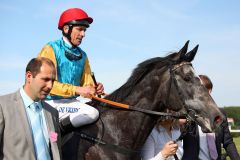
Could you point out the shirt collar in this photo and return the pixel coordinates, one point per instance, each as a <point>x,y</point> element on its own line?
<point>67,43</point>
<point>27,100</point>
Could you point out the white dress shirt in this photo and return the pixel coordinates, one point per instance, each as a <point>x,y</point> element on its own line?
<point>156,141</point>
<point>203,146</point>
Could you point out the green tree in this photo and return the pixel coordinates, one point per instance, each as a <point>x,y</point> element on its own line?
<point>233,112</point>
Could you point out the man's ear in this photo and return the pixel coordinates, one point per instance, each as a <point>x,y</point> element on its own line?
<point>65,29</point>
<point>28,76</point>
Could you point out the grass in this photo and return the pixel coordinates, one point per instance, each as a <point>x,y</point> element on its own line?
<point>237,143</point>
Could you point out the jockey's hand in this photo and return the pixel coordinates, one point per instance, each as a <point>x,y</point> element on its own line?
<point>99,89</point>
<point>169,149</point>
<point>86,91</point>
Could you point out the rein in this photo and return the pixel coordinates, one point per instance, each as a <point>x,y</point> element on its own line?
<point>146,111</point>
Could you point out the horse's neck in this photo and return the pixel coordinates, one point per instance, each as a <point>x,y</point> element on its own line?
<point>126,128</point>
<point>141,134</point>
<point>131,128</point>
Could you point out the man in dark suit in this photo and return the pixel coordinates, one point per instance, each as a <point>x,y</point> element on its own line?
<point>22,110</point>
<point>195,143</point>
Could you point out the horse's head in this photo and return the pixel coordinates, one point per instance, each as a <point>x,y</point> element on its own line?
<point>170,82</point>
<point>187,94</point>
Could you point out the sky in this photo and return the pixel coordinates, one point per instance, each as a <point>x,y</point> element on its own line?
<point>125,33</point>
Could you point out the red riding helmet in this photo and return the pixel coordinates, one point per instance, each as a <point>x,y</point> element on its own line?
<point>74,16</point>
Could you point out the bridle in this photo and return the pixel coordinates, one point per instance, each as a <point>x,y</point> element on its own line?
<point>190,114</point>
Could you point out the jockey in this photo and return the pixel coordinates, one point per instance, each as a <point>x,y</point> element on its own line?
<point>73,77</point>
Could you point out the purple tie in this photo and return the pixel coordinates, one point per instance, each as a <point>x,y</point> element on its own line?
<point>212,146</point>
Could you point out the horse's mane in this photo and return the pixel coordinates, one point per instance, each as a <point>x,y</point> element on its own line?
<point>138,74</point>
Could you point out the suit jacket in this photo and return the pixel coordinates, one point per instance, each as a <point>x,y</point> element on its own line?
<point>16,141</point>
<point>222,136</point>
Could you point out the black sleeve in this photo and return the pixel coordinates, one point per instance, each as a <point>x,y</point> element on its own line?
<point>227,142</point>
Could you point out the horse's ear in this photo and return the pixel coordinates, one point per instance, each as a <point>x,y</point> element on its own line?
<point>190,55</point>
<point>183,51</point>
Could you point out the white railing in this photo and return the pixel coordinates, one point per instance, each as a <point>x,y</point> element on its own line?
<point>234,130</point>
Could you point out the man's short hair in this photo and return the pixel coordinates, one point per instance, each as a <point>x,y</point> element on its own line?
<point>206,81</point>
<point>34,65</point>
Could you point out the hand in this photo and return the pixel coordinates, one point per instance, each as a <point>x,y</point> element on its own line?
<point>169,149</point>
<point>99,89</point>
<point>182,123</point>
<point>86,91</point>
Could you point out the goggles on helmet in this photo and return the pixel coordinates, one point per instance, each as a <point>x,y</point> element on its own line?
<point>79,23</point>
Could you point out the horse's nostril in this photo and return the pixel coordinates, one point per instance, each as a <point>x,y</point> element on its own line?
<point>218,120</point>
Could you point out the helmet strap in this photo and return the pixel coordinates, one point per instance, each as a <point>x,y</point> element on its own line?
<point>68,35</point>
